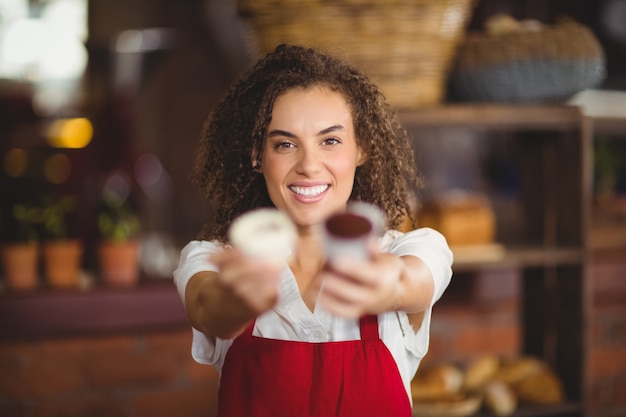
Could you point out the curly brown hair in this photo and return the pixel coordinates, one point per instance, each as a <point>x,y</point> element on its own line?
<point>236,128</point>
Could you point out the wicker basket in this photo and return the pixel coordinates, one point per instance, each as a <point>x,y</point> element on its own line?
<point>532,66</point>
<point>406,47</point>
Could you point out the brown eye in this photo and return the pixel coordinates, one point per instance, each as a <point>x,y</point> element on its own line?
<point>284,145</point>
<point>331,141</point>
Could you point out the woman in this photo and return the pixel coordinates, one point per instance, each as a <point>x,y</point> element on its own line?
<point>307,133</point>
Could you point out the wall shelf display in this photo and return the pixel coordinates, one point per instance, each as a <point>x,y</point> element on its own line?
<point>550,150</point>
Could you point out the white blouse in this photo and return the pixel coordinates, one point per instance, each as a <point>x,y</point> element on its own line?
<point>291,319</point>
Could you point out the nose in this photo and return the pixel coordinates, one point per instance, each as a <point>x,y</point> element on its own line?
<point>309,161</point>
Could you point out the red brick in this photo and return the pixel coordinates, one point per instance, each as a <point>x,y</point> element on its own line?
<point>31,374</point>
<point>199,373</point>
<point>8,350</point>
<point>608,275</point>
<point>607,398</point>
<point>611,326</point>
<point>595,331</point>
<point>438,347</point>
<point>83,406</point>
<point>619,388</point>
<point>458,313</point>
<point>130,369</point>
<point>197,402</point>
<point>607,362</point>
<point>600,394</point>
<point>177,340</point>
<point>497,338</point>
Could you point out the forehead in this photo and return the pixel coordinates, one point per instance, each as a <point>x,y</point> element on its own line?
<point>311,101</point>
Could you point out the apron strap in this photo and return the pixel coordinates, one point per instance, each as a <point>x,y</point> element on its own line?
<point>369,327</point>
<point>248,331</point>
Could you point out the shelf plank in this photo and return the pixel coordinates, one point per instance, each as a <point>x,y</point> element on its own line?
<point>562,410</point>
<point>52,313</point>
<point>492,116</point>
<point>472,258</point>
<point>609,126</point>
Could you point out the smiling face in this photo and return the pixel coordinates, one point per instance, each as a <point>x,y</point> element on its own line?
<point>310,154</point>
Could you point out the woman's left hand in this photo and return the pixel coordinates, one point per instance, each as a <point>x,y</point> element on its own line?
<point>352,287</point>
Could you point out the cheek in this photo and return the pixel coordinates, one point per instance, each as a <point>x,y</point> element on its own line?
<point>345,165</point>
<point>274,173</point>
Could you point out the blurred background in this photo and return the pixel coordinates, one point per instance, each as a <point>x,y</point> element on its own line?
<point>101,106</point>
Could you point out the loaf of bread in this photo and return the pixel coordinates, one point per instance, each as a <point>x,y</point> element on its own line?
<point>480,371</point>
<point>514,370</point>
<point>498,384</point>
<point>463,218</point>
<point>499,398</point>
<point>437,382</point>
<point>543,387</point>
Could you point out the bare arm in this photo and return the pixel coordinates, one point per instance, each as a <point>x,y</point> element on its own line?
<point>418,292</point>
<point>223,304</point>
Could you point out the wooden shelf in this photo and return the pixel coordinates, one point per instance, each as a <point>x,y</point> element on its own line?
<point>46,313</point>
<point>491,116</point>
<point>560,410</point>
<point>468,258</point>
<point>552,145</point>
<point>609,126</point>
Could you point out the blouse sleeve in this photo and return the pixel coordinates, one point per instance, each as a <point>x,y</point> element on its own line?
<point>431,247</point>
<point>194,258</point>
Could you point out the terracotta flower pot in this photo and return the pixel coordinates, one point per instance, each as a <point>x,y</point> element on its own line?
<point>62,261</point>
<point>119,262</point>
<point>20,265</point>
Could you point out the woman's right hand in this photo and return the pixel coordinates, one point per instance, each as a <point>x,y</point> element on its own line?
<point>221,304</point>
<point>249,282</point>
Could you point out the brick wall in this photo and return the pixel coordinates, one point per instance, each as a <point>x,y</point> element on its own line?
<point>607,354</point>
<point>477,314</point>
<point>152,373</point>
<point>149,374</point>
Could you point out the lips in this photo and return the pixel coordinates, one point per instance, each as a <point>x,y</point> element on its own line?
<point>311,191</point>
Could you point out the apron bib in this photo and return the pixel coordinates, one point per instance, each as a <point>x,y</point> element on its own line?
<point>269,377</point>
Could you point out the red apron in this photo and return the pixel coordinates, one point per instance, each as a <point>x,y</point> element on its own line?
<point>269,377</point>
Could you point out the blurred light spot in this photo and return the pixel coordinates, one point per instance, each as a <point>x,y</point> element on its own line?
<point>43,40</point>
<point>159,255</point>
<point>57,168</point>
<point>70,133</point>
<point>129,41</point>
<point>23,40</point>
<point>151,39</point>
<point>68,16</point>
<point>48,100</point>
<point>118,185</point>
<point>63,57</point>
<point>15,162</point>
<point>148,170</point>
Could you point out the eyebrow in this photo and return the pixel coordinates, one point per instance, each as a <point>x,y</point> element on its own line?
<point>279,132</point>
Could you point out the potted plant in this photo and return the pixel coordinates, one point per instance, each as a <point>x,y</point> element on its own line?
<point>118,251</point>
<point>62,254</point>
<point>20,252</point>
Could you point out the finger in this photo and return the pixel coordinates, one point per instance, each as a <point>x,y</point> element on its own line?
<point>345,290</point>
<point>258,297</point>
<point>357,270</point>
<point>257,289</point>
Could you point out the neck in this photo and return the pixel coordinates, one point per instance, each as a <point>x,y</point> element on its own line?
<point>306,264</point>
<point>309,254</point>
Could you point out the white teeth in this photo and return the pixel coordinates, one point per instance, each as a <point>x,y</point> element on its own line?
<point>309,191</point>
